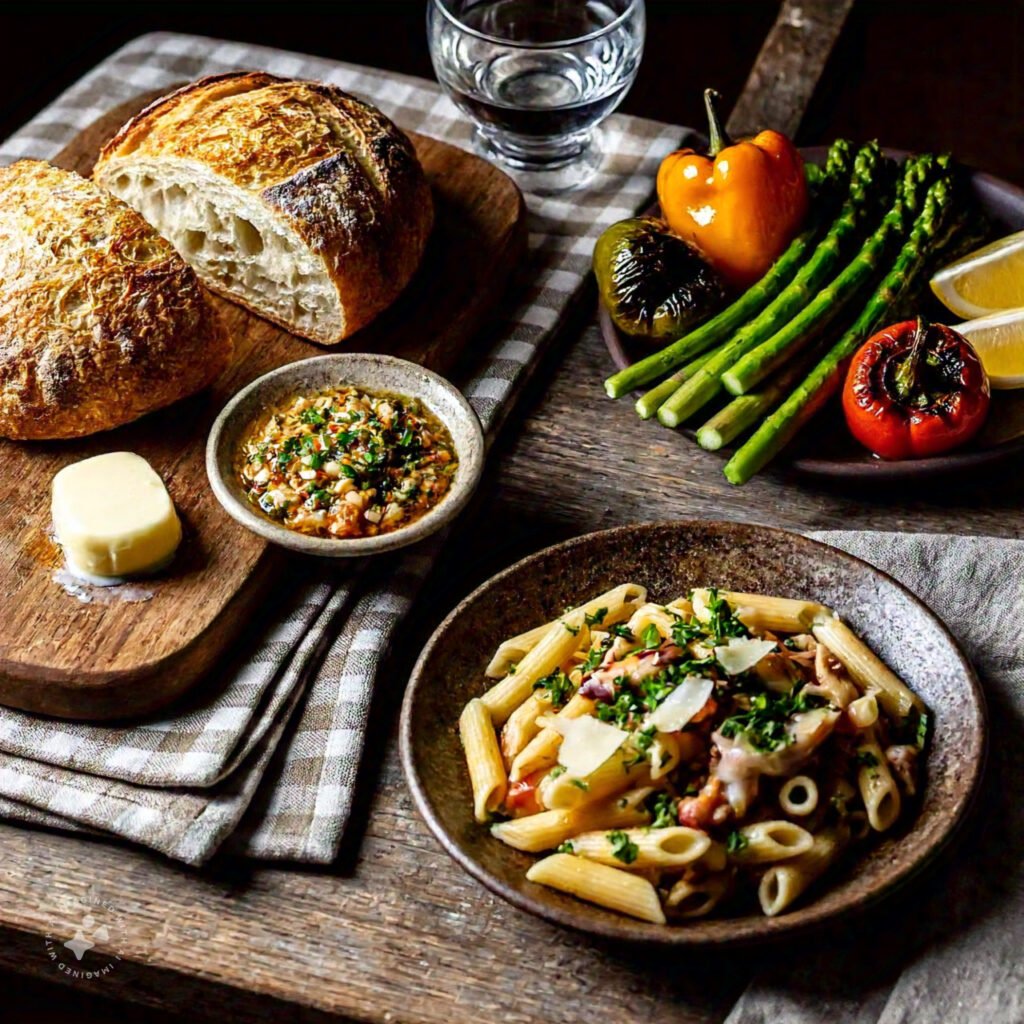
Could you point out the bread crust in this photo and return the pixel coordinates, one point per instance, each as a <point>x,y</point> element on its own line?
<point>100,320</point>
<point>334,169</point>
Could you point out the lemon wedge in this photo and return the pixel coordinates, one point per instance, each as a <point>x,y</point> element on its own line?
<point>999,341</point>
<point>986,281</point>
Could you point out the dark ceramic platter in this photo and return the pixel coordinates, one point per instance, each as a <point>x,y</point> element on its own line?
<point>829,451</point>
<point>670,559</point>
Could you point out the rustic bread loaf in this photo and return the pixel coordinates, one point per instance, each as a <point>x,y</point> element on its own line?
<point>290,198</point>
<point>100,319</point>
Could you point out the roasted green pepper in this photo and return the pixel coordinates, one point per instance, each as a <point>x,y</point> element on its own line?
<point>654,285</point>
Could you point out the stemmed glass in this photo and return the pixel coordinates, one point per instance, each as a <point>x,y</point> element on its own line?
<point>537,77</point>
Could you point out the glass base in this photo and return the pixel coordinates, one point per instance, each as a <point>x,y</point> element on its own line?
<point>540,174</point>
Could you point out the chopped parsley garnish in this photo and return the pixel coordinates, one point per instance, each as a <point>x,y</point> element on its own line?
<point>319,498</point>
<point>623,848</point>
<point>721,621</point>
<point>654,689</point>
<point>313,417</point>
<point>621,630</point>
<point>866,759</point>
<point>558,686</point>
<point>596,655</point>
<point>621,710</point>
<point>650,638</point>
<point>575,630</point>
<point>597,618</point>
<point>642,740</point>
<point>913,730</point>
<point>664,810</point>
<point>737,842</point>
<point>921,731</point>
<point>683,632</point>
<point>764,725</point>
<point>559,769</point>
<point>566,847</point>
<point>580,784</point>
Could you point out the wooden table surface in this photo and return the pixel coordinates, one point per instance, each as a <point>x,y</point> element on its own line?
<point>394,931</point>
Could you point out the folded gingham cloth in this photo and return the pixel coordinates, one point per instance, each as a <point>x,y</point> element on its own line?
<point>266,763</point>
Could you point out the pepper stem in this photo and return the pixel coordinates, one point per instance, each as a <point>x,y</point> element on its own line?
<point>717,135</point>
<point>906,374</point>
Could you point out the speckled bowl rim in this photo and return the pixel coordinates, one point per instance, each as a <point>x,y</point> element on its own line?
<point>349,364</point>
<point>750,930</point>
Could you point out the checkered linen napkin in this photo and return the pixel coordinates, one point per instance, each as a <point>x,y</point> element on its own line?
<point>272,755</point>
<point>951,949</point>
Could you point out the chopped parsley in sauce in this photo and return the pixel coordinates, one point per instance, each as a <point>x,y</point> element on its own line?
<point>347,463</point>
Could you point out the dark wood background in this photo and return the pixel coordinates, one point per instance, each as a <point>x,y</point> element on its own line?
<point>932,74</point>
<point>914,74</point>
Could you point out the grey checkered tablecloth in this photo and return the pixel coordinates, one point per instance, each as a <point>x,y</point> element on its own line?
<point>267,765</point>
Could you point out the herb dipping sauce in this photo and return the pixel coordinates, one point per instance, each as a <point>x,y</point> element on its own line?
<point>347,463</point>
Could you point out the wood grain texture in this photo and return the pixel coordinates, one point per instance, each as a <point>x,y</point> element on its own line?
<point>791,61</point>
<point>113,658</point>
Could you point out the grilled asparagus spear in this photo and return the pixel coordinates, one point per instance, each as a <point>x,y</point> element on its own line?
<point>767,357</point>
<point>822,382</point>
<point>706,383</point>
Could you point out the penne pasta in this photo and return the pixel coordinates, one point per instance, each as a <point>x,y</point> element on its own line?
<point>878,788</point>
<point>618,604</point>
<point>624,769</point>
<point>663,754</point>
<point>783,883</point>
<point>799,796</point>
<point>597,883</point>
<point>659,754</point>
<point>542,751</point>
<point>698,896</point>
<point>563,637</point>
<point>761,613</point>
<point>486,770</point>
<point>548,829</point>
<point>714,858</point>
<point>648,615</point>
<point>831,682</point>
<point>522,724</point>
<point>637,849</point>
<point>765,842</point>
<point>867,670</point>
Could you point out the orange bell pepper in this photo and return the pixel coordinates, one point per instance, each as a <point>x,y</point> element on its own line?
<point>740,205</point>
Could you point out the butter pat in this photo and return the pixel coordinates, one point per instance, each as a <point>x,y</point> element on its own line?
<point>114,517</point>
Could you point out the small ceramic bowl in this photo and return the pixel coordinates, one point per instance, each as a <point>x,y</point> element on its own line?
<point>367,371</point>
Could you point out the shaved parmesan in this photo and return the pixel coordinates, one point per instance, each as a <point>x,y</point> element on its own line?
<point>742,654</point>
<point>586,742</point>
<point>681,704</point>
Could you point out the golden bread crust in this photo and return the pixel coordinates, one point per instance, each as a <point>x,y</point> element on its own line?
<point>334,169</point>
<point>100,320</point>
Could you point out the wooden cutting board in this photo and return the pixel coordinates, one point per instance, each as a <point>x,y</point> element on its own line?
<point>129,651</point>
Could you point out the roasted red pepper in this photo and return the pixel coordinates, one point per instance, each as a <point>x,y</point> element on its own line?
<point>915,389</point>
